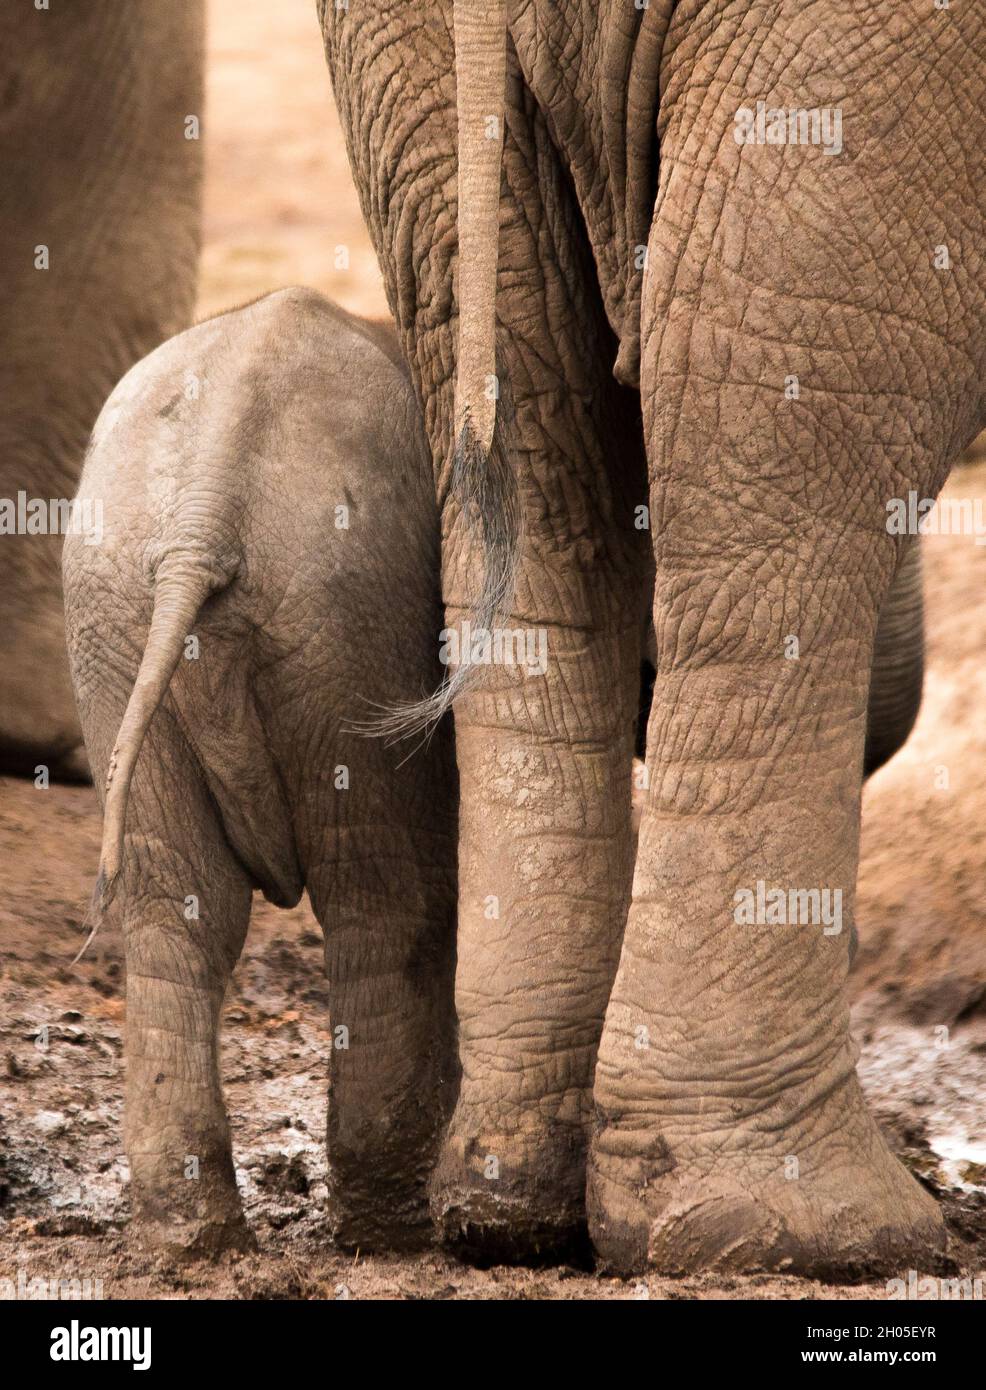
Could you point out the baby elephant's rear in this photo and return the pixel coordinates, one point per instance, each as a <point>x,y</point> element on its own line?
<point>267,579</point>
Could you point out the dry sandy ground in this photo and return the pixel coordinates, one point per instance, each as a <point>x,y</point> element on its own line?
<point>279,202</point>
<point>280,207</point>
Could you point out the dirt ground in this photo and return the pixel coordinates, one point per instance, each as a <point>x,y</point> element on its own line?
<point>279,203</point>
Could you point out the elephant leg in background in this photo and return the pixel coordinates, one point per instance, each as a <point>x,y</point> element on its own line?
<point>544,832</point>
<point>180,956</point>
<point>382,882</point>
<point>99,236</point>
<point>898,663</point>
<point>733,1130</point>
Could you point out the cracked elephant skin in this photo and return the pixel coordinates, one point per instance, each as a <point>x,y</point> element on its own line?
<point>100,200</point>
<point>660,286</point>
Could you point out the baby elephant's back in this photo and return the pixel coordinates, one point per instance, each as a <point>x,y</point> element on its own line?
<point>282,444</point>
<point>277,452</point>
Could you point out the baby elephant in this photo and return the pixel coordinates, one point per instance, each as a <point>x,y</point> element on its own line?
<point>267,579</point>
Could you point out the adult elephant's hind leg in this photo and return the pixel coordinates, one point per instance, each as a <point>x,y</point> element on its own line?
<point>544,753</point>
<point>544,742</point>
<point>732,1130</point>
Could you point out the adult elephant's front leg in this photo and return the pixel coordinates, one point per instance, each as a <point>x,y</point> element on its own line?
<point>797,375</point>
<point>544,752</point>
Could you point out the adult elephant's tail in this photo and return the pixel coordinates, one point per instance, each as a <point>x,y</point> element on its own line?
<point>482,481</point>
<point>481,74</point>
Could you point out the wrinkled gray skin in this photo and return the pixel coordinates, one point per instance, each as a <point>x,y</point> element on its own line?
<point>221,509</point>
<point>725,1052</point>
<point>95,166</point>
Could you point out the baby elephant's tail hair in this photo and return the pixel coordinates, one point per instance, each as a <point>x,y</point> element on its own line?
<point>181,586</point>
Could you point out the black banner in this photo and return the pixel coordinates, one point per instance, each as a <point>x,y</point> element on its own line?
<point>913,1333</point>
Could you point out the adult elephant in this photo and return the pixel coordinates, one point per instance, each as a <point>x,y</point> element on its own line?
<point>100,195</point>
<point>805,324</point>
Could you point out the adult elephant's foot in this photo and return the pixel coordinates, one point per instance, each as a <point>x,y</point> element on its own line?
<point>731,1129</point>
<point>517,1199</point>
<point>538,937</point>
<point>837,1207</point>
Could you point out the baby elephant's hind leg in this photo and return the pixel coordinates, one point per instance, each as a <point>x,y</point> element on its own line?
<point>385,895</point>
<point>185,904</point>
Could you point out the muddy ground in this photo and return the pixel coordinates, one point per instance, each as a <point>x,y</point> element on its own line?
<point>279,203</point>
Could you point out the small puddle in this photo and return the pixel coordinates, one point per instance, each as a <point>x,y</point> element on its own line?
<point>959,1153</point>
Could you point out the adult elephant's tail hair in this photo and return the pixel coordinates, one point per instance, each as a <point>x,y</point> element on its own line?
<point>481,482</point>
<point>484,486</point>
<point>181,586</point>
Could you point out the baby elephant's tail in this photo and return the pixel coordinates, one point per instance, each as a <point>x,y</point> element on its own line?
<point>181,586</point>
